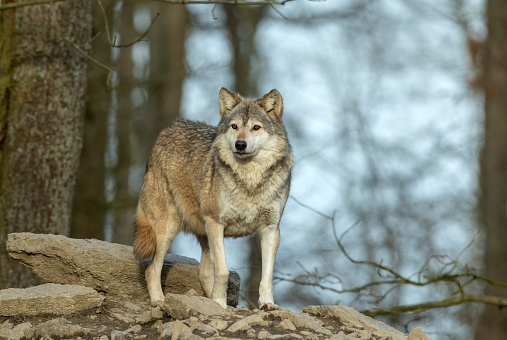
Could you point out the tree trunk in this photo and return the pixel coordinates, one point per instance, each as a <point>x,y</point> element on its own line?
<point>89,206</point>
<point>42,88</point>
<point>493,177</point>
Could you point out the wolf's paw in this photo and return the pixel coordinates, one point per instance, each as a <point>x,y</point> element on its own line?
<point>157,303</point>
<point>269,307</point>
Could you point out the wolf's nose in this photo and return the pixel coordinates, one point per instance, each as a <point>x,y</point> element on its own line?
<point>240,145</point>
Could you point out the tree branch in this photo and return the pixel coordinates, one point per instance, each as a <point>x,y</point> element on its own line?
<point>417,308</point>
<point>29,3</point>
<point>225,2</point>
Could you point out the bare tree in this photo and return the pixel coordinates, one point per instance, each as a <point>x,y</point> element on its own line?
<point>493,176</point>
<point>41,119</point>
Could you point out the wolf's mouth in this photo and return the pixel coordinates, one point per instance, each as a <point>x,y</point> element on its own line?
<point>243,154</point>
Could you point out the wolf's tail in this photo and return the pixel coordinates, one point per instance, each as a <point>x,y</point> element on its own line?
<point>145,240</point>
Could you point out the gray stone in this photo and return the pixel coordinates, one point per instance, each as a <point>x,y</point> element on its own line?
<point>104,266</point>
<point>178,328</point>
<point>56,328</point>
<point>8,331</point>
<point>48,299</point>
<point>287,325</point>
<point>182,307</point>
<point>117,335</point>
<point>219,324</point>
<point>302,320</point>
<point>352,319</point>
<point>244,324</point>
<point>134,329</point>
<point>204,329</point>
<point>166,330</point>
<point>263,335</point>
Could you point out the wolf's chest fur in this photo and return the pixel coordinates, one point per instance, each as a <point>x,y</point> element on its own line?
<point>245,217</point>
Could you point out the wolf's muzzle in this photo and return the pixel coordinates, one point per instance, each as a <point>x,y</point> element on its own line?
<point>240,145</point>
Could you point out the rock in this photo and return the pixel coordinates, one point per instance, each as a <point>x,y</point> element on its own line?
<point>287,325</point>
<point>263,335</point>
<point>104,266</point>
<point>285,337</point>
<point>182,307</point>
<point>302,320</point>
<point>8,331</point>
<point>204,329</point>
<point>56,328</point>
<point>48,299</point>
<point>339,336</point>
<point>117,335</point>
<point>134,329</point>
<point>178,328</point>
<point>417,334</point>
<point>166,330</point>
<point>354,320</point>
<point>219,324</point>
<point>244,324</point>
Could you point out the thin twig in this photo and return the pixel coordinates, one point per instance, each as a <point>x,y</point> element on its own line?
<point>95,61</point>
<point>106,23</point>
<point>30,3</point>
<point>141,37</point>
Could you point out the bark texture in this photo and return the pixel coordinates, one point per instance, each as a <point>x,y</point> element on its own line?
<point>106,267</point>
<point>43,82</point>
<point>493,323</point>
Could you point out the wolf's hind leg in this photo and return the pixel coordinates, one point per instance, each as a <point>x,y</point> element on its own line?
<point>166,231</point>
<point>206,268</point>
<point>215,233</point>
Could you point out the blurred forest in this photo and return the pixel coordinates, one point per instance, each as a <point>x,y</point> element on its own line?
<point>396,112</point>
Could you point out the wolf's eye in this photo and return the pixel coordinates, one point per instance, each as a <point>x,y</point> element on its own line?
<point>256,127</point>
<point>234,126</point>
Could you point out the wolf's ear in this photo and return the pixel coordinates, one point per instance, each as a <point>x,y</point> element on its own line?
<point>272,103</point>
<point>227,100</point>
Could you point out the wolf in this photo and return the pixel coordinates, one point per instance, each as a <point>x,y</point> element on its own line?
<point>231,180</point>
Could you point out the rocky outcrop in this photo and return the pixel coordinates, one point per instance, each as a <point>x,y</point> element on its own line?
<point>106,267</point>
<point>48,299</point>
<point>194,317</point>
<point>104,307</point>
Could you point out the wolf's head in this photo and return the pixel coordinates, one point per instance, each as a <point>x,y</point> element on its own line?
<point>252,127</point>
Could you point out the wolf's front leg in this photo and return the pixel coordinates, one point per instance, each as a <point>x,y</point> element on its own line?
<point>270,240</point>
<point>215,233</point>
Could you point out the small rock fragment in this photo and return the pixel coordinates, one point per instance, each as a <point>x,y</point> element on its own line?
<point>134,329</point>
<point>287,325</point>
<point>7,331</point>
<point>56,328</point>
<point>302,320</point>
<point>244,324</point>
<point>417,334</point>
<point>339,336</point>
<point>49,298</point>
<point>117,335</point>
<point>263,335</point>
<point>204,329</point>
<point>182,307</point>
<point>219,324</point>
<point>178,328</point>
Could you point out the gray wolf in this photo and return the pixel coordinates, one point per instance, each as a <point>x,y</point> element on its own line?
<point>227,181</point>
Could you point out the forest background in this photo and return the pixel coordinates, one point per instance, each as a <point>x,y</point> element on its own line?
<point>396,112</point>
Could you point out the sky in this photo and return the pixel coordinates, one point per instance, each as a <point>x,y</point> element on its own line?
<point>385,131</point>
